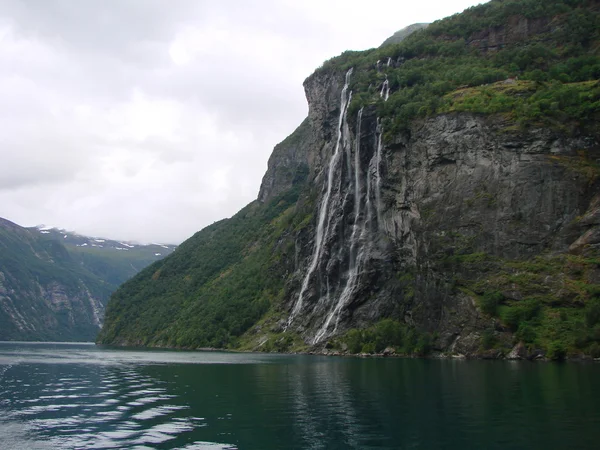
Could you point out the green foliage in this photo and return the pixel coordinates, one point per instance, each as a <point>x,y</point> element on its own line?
<point>488,339</point>
<point>560,306</point>
<point>549,103</point>
<point>595,350</point>
<point>214,287</point>
<point>446,57</point>
<point>556,351</point>
<point>526,333</point>
<point>514,316</point>
<point>278,343</point>
<point>387,333</point>
<point>489,302</point>
<point>592,313</point>
<point>354,340</point>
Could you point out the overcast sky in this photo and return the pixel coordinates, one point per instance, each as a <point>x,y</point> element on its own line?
<point>147,120</point>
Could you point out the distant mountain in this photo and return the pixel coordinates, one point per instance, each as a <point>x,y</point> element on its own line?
<point>112,261</point>
<point>402,34</point>
<point>54,284</point>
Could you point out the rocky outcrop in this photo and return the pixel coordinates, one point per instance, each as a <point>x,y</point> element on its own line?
<point>517,29</point>
<point>54,311</point>
<point>288,164</point>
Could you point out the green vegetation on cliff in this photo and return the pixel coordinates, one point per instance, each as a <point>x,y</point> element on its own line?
<point>551,43</point>
<point>214,287</point>
<point>550,302</point>
<point>395,337</point>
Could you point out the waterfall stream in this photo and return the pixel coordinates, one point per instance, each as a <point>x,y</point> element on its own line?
<point>378,174</point>
<point>363,187</point>
<point>322,231</point>
<point>385,90</point>
<point>358,231</point>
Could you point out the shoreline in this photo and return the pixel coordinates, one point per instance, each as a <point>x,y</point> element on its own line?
<point>490,356</point>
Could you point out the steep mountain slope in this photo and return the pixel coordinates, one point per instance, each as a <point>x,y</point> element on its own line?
<point>402,34</point>
<point>442,194</point>
<point>53,288</point>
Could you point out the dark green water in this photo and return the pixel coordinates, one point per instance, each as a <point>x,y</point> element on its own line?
<point>80,396</point>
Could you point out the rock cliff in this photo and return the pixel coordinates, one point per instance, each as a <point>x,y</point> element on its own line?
<point>454,185</point>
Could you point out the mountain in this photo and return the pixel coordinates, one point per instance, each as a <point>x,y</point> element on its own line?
<point>54,284</point>
<point>402,34</point>
<point>113,261</point>
<point>442,195</point>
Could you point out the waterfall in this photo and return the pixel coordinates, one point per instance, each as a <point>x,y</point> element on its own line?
<point>364,227</point>
<point>385,93</point>
<point>389,61</point>
<point>346,182</point>
<point>385,89</point>
<point>324,206</point>
<point>357,236</point>
<point>378,174</point>
<point>357,188</point>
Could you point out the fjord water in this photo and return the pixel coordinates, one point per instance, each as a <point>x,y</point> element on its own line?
<point>81,396</point>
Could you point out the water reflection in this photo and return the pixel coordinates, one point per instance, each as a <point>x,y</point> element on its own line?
<point>84,397</point>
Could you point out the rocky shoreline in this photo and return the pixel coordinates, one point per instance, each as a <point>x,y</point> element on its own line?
<point>518,353</point>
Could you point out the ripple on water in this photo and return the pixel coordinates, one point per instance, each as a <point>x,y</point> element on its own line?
<point>157,411</point>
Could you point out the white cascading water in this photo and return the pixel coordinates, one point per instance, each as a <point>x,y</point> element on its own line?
<point>358,232</point>
<point>385,90</point>
<point>323,209</point>
<point>389,61</point>
<point>357,188</point>
<point>378,175</point>
<point>385,93</point>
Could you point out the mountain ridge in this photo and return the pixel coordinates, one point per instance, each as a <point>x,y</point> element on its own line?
<point>54,288</point>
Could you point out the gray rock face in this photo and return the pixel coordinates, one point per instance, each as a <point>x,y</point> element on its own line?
<point>51,312</point>
<point>456,184</point>
<point>288,164</point>
<point>303,151</point>
<point>517,29</point>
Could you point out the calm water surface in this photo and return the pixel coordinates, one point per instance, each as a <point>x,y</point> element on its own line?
<point>70,396</point>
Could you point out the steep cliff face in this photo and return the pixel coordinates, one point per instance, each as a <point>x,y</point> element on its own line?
<point>454,185</point>
<point>428,187</point>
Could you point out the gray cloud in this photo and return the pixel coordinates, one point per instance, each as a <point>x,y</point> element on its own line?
<point>149,119</point>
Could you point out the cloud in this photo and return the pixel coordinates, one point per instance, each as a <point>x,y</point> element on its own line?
<point>147,119</point>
